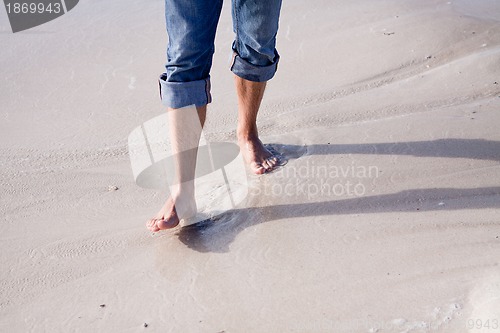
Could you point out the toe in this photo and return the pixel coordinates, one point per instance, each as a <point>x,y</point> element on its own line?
<point>152,225</point>
<point>268,164</point>
<point>272,161</point>
<point>258,168</point>
<point>170,223</point>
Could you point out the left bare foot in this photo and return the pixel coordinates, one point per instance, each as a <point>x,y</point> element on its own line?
<point>256,155</point>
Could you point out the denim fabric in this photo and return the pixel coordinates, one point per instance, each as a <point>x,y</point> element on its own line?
<point>191,28</point>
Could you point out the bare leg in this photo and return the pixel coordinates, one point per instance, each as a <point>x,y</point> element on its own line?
<point>185,131</point>
<point>255,154</point>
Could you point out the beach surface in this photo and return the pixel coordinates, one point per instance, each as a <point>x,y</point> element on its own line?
<point>385,219</point>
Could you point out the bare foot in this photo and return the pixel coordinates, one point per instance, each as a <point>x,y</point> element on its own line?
<point>256,155</point>
<point>174,210</point>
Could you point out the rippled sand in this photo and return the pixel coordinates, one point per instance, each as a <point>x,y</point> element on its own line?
<point>385,219</point>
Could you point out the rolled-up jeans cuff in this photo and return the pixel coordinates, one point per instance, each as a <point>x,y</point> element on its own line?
<point>247,71</point>
<point>180,94</point>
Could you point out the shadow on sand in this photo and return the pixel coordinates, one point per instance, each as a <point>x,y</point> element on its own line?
<point>216,234</point>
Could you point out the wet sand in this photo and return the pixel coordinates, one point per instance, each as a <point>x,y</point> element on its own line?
<point>385,219</point>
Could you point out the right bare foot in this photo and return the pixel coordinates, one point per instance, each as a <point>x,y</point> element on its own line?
<point>174,210</point>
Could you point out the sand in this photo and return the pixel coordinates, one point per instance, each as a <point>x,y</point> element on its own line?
<point>385,219</point>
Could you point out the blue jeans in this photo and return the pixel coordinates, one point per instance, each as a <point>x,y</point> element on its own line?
<point>191,27</point>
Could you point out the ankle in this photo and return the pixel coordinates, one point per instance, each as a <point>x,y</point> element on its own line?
<point>246,134</point>
<point>180,191</point>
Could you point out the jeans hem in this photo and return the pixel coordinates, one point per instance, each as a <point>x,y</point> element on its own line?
<point>250,72</point>
<point>180,94</point>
